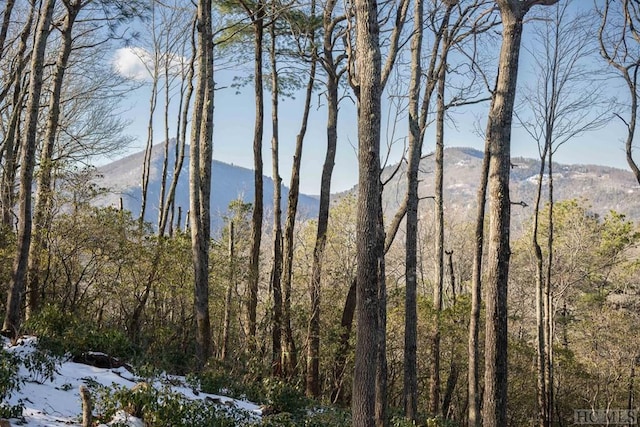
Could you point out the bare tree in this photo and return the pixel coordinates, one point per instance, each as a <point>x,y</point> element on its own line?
<point>27,163</point>
<point>498,143</point>
<point>43,186</point>
<point>10,143</point>
<point>565,102</point>
<point>200,178</point>
<point>334,71</point>
<point>276,268</point>
<point>617,36</point>
<point>257,14</point>
<point>308,47</point>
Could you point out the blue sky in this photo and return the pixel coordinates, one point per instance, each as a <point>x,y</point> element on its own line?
<point>234,117</point>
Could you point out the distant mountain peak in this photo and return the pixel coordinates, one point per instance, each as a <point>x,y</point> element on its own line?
<point>229,182</point>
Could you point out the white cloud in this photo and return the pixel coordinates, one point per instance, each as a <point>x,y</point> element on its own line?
<point>130,62</point>
<point>138,63</point>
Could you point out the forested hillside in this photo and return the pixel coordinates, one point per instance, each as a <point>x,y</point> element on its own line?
<point>449,287</point>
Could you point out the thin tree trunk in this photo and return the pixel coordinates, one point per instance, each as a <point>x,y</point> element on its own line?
<point>540,325</point>
<point>224,352</point>
<point>6,20</point>
<point>181,139</point>
<point>12,137</point>
<point>548,305</point>
<point>148,152</point>
<point>434,384</point>
<point>200,180</point>
<point>312,383</point>
<point>256,218</point>
<point>42,206</point>
<point>27,163</point>
<point>290,355</point>
<point>340,359</point>
<point>276,271</point>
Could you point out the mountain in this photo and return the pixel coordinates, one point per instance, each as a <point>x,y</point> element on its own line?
<point>602,188</point>
<point>123,178</point>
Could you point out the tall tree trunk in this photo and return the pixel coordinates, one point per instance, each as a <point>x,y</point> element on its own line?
<point>42,206</point>
<point>27,163</point>
<point>148,151</point>
<point>312,383</point>
<point>181,138</point>
<point>256,218</point>
<point>370,248</point>
<point>276,269</point>
<point>200,180</point>
<point>290,354</point>
<point>540,324</point>
<point>498,141</point>
<point>474,392</point>
<point>434,385</point>
<point>410,384</point>
<point>548,305</point>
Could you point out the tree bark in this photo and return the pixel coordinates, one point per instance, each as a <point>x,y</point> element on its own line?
<point>312,383</point>
<point>44,190</point>
<point>498,141</point>
<point>276,269</point>
<point>548,306</point>
<point>346,324</point>
<point>200,180</point>
<point>370,248</point>
<point>256,219</point>
<point>540,324</point>
<point>410,383</point>
<point>27,163</point>
<point>290,354</point>
<point>11,143</point>
<point>434,384</point>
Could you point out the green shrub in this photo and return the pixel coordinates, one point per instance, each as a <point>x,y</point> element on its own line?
<point>10,382</point>
<point>63,333</point>
<point>330,416</point>
<point>163,407</point>
<point>283,397</point>
<point>283,419</point>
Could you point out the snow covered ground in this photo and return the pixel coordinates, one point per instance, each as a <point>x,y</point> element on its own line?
<point>55,400</point>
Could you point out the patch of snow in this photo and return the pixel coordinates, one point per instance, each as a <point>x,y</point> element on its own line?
<point>56,402</point>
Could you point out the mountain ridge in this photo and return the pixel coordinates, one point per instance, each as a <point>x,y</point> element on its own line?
<point>604,187</point>
<point>123,179</point>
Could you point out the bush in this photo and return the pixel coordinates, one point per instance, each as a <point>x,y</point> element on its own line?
<point>9,382</point>
<point>63,333</point>
<point>162,407</point>
<point>283,397</point>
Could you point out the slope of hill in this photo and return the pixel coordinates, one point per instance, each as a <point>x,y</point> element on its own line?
<point>229,182</point>
<point>603,188</point>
